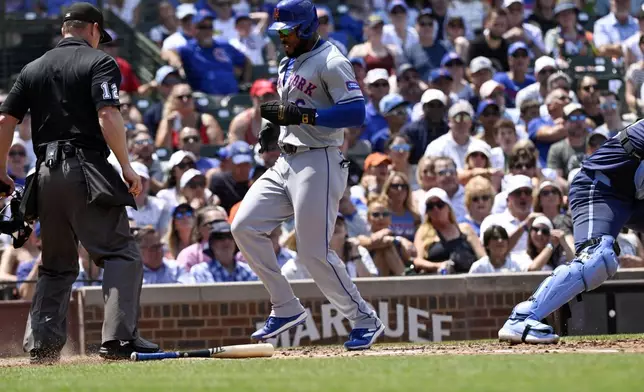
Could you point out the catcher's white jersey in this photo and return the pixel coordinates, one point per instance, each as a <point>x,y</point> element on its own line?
<point>317,79</point>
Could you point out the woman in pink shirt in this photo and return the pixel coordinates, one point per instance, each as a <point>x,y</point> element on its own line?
<point>194,254</point>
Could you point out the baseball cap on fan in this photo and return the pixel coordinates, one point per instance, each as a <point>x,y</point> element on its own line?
<point>85,12</point>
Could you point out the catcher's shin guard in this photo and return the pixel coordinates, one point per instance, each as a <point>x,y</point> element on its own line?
<point>596,263</point>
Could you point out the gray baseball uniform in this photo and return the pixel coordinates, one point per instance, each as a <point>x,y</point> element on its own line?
<point>307,185</point>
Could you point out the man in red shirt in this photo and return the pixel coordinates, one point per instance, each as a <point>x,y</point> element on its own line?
<point>129,82</point>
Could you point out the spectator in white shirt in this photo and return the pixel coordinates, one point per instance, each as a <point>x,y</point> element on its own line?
<point>399,32</point>
<point>185,12</point>
<point>150,211</point>
<point>224,25</point>
<point>543,68</point>
<point>478,164</point>
<point>251,40</point>
<point>446,179</point>
<point>454,144</point>
<point>499,258</point>
<point>517,218</point>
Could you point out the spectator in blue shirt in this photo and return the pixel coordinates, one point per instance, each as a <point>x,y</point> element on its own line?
<point>211,66</point>
<point>377,85</point>
<point>156,268</point>
<point>223,267</point>
<point>613,29</point>
<point>517,77</point>
<point>428,52</point>
<point>396,112</point>
<point>545,131</point>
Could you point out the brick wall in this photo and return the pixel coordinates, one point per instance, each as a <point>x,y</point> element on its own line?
<point>198,325</point>
<point>427,308</point>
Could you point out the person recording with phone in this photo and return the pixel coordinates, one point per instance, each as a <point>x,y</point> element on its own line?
<point>75,192</point>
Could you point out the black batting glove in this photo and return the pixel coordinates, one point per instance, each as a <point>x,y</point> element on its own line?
<point>287,113</point>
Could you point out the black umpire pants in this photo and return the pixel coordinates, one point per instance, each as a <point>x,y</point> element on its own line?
<point>65,218</point>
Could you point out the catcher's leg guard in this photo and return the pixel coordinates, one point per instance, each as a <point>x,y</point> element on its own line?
<point>596,263</point>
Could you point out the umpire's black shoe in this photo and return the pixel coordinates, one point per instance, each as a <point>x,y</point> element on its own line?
<point>123,349</point>
<point>43,357</point>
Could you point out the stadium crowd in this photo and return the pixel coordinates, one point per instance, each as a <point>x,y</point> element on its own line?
<point>474,129</point>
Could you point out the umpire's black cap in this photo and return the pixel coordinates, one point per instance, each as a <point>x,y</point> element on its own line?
<point>85,12</point>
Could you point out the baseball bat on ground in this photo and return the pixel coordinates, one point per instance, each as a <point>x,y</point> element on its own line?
<point>237,351</point>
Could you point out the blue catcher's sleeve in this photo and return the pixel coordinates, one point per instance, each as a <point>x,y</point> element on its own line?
<point>346,115</point>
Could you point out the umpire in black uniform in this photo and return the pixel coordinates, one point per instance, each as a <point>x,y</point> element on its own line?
<point>72,91</point>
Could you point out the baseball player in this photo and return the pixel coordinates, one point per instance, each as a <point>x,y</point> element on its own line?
<point>319,96</point>
<point>606,195</point>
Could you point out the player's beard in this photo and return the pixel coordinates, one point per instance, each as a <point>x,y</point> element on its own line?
<point>299,49</point>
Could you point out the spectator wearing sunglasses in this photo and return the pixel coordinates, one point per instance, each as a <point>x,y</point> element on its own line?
<point>222,266</point>
<point>455,65</point>
<point>408,84</point>
<point>390,254</point>
<point>189,140</point>
<point>179,233</point>
<point>550,201</point>
<point>446,178</point>
<point>179,112</point>
<point>404,217</point>
<point>443,245</point>
<point>479,196</point>
<point>547,247</point>
<point>425,55</point>
<point>562,151</point>
<point>194,253</point>
<point>377,84</point>
<point>610,107</point>
<point>498,258</point>
<point>543,68</point>
<point>545,131</point>
<point>193,190</point>
<point>398,149</point>
<point>17,163</point>
<point>179,163</point>
<point>141,149</point>
<point>517,77</point>
<point>430,126</point>
<point>588,94</point>
<point>395,110</point>
<point>156,268</point>
<point>457,32</point>
<point>518,215</point>
<point>150,210</point>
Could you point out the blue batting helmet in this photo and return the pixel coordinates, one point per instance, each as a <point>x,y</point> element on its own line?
<point>289,14</point>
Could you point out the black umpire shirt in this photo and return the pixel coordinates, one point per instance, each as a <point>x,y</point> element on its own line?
<point>64,89</point>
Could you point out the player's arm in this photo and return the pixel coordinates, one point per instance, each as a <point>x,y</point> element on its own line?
<point>339,81</point>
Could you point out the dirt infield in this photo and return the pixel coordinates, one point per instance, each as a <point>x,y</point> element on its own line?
<point>586,345</point>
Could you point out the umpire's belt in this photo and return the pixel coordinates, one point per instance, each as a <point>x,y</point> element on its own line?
<point>625,141</point>
<point>290,149</point>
